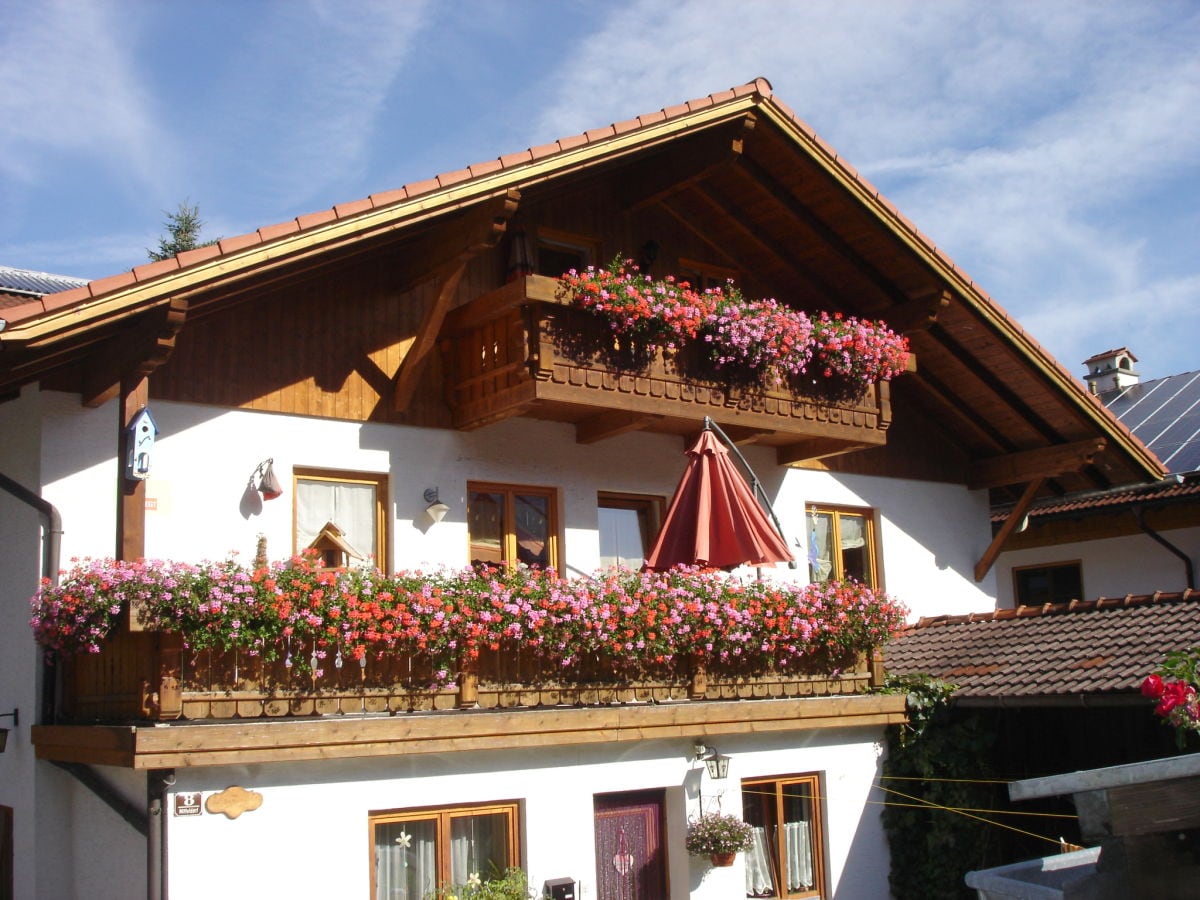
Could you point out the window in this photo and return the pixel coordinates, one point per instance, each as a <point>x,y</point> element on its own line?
<point>705,275</point>
<point>841,545</point>
<point>510,524</point>
<point>1055,583</point>
<point>788,857</point>
<point>417,852</point>
<point>628,525</point>
<point>343,515</point>
<point>558,252</point>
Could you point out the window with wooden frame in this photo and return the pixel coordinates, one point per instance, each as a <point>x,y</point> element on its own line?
<point>628,525</point>
<point>417,852</point>
<point>560,251</point>
<point>702,275</point>
<point>343,515</point>
<point>1050,583</point>
<point>510,524</point>
<point>841,545</point>
<point>787,858</point>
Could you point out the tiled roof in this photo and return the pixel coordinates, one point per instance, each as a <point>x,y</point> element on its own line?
<point>1168,491</point>
<point>1061,651</point>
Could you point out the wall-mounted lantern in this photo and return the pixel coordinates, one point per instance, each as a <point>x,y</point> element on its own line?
<point>139,445</point>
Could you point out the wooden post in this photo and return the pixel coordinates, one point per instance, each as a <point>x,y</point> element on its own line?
<point>131,495</point>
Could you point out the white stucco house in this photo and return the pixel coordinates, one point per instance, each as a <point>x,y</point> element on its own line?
<point>409,368</point>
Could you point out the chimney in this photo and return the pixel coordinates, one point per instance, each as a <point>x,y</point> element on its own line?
<point>1111,370</point>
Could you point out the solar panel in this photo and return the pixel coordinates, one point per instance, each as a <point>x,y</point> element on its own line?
<point>1165,415</point>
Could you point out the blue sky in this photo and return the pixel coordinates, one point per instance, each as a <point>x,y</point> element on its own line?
<point>1052,148</point>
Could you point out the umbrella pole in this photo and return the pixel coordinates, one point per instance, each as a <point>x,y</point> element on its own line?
<point>755,485</point>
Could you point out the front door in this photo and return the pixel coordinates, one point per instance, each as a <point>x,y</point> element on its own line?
<point>630,857</point>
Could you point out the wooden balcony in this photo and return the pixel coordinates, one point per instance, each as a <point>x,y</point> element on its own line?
<point>148,677</point>
<point>524,350</point>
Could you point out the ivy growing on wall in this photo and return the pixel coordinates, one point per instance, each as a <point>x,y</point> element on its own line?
<point>936,773</point>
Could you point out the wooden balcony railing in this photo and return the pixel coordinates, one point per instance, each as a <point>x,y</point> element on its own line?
<point>149,676</point>
<point>524,350</point>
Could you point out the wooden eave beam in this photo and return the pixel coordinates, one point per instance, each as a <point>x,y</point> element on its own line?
<point>743,434</point>
<point>482,231</point>
<point>919,313</point>
<point>779,193</point>
<point>734,217</point>
<point>816,448</point>
<point>137,354</point>
<point>1014,518</point>
<point>1043,462</point>
<point>610,424</point>
<point>683,166</point>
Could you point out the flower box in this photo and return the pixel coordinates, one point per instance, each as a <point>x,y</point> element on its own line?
<point>525,350</point>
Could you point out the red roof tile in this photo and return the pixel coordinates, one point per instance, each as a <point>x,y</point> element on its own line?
<point>1062,650</point>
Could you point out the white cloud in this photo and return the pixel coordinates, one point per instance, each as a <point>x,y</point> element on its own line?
<point>70,88</point>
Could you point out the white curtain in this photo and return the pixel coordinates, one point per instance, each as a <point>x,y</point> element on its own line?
<point>797,855</point>
<point>405,860</point>
<point>820,557</point>
<point>760,880</point>
<point>351,507</point>
<point>478,846</point>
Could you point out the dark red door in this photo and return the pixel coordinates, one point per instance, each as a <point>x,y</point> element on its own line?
<point>630,860</point>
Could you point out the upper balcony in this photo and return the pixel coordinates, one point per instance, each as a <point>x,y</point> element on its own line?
<point>523,349</point>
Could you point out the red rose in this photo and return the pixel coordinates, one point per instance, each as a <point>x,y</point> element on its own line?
<point>1177,693</point>
<point>1153,687</point>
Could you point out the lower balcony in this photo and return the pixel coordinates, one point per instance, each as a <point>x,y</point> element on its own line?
<point>524,350</point>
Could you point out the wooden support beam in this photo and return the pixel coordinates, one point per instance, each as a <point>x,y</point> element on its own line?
<point>483,230</point>
<point>919,313</point>
<point>131,495</point>
<point>1044,462</point>
<point>1014,518</point>
<point>610,424</point>
<point>685,165</point>
<point>743,435</point>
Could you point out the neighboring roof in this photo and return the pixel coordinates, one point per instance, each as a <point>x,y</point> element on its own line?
<point>1057,653</point>
<point>1165,415</point>
<point>19,286</point>
<point>791,207</point>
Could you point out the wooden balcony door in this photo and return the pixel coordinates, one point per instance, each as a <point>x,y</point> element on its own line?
<point>631,861</point>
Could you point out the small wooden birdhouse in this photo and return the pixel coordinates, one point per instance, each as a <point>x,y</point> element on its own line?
<point>334,550</point>
<point>139,445</point>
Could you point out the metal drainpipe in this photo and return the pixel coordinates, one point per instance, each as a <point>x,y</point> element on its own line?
<point>50,553</point>
<point>1188,572</point>
<point>157,783</point>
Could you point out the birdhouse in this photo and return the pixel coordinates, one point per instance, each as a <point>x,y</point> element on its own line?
<point>334,551</point>
<point>139,445</point>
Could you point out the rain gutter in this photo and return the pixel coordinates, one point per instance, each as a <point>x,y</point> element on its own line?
<point>755,484</point>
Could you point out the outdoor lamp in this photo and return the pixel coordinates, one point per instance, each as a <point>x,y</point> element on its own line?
<point>716,764</point>
<point>436,509</point>
<point>4,731</point>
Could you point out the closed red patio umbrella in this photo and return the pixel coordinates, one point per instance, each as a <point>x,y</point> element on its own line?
<point>714,520</point>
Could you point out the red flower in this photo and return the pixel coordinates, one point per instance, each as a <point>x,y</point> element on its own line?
<point>1177,693</point>
<point>1153,687</point>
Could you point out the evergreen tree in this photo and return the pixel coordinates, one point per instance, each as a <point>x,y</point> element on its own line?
<point>183,233</point>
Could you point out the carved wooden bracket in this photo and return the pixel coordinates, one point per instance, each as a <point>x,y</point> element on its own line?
<point>919,313</point>
<point>136,353</point>
<point>482,231</point>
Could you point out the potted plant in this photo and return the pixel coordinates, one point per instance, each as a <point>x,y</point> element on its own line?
<point>719,837</point>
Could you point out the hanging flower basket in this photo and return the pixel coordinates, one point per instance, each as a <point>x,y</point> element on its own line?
<point>719,837</point>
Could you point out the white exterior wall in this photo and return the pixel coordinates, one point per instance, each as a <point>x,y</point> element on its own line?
<point>1112,567</point>
<point>930,535</point>
<point>310,836</point>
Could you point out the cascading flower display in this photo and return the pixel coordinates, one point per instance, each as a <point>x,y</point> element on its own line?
<point>761,341</point>
<point>629,624</point>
